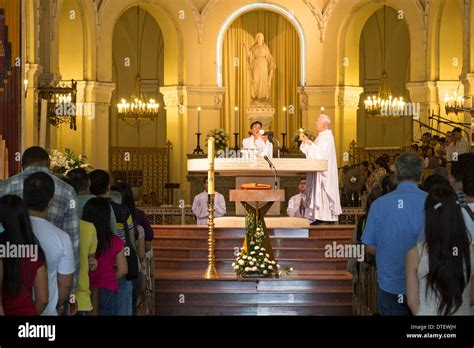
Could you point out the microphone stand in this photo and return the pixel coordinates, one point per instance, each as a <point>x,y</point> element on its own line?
<point>270,164</point>
<point>278,146</point>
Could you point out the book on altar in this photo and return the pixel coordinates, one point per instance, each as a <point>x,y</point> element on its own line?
<point>255,186</point>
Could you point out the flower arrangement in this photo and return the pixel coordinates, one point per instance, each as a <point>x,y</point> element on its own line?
<point>63,162</point>
<point>309,134</point>
<point>221,138</point>
<point>254,261</point>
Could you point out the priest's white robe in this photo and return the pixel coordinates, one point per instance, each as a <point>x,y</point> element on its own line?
<point>200,207</point>
<point>322,188</point>
<point>263,148</point>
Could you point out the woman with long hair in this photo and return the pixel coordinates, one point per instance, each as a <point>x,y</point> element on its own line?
<point>438,269</point>
<point>21,275</point>
<point>110,255</point>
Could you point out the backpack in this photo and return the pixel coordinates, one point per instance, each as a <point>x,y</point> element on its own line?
<point>121,215</point>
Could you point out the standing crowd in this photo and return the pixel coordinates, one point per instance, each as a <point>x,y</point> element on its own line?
<point>89,243</point>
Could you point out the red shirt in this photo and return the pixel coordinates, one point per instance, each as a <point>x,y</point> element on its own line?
<point>104,276</point>
<point>23,303</point>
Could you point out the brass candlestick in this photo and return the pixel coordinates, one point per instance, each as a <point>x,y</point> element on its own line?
<point>211,272</point>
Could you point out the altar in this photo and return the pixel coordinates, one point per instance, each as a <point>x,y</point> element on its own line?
<point>232,172</point>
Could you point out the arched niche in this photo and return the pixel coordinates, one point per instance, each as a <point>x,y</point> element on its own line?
<point>111,11</point>
<point>127,60</point>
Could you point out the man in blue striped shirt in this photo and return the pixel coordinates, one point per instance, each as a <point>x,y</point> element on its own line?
<point>393,226</point>
<point>63,211</point>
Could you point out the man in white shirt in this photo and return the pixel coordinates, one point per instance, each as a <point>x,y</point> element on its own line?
<point>322,199</point>
<point>258,142</point>
<point>200,205</point>
<point>462,145</point>
<point>38,193</point>
<point>296,204</point>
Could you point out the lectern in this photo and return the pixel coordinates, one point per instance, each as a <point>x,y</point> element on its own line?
<point>257,203</point>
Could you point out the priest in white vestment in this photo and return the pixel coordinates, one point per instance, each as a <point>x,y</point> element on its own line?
<point>200,205</point>
<point>322,188</point>
<point>297,203</point>
<point>258,142</point>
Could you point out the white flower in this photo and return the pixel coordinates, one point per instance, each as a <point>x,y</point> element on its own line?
<point>241,262</point>
<point>278,266</point>
<point>267,255</point>
<point>279,273</point>
<point>247,269</point>
<point>291,269</point>
<point>236,267</point>
<point>254,259</point>
<point>270,267</point>
<point>265,260</point>
<point>233,264</point>
<point>265,272</point>
<point>252,252</point>
<point>273,262</point>
<point>251,263</point>
<point>254,268</point>
<point>244,257</point>
<point>257,247</point>
<point>252,243</point>
<point>260,254</point>
<point>263,249</point>
<point>262,266</point>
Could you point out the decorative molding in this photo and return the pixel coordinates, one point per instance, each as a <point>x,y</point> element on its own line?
<point>321,17</point>
<point>349,96</point>
<point>424,92</point>
<point>209,97</point>
<point>424,6</point>
<point>201,16</point>
<point>448,87</point>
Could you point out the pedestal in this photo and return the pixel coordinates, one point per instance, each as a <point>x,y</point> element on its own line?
<point>263,114</point>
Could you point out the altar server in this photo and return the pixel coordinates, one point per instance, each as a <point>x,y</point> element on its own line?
<point>322,200</point>
<point>257,141</point>
<point>297,203</point>
<point>200,205</point>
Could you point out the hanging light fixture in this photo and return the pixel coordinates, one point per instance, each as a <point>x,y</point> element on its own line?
<point>383,103</point>
<point>138,107</point>
<point>454,102</point>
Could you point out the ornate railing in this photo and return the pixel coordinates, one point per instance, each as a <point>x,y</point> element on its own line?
<point>144,167</point>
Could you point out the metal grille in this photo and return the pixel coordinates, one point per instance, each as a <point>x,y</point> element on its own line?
<point>144,167</point>
<point>359,154</point>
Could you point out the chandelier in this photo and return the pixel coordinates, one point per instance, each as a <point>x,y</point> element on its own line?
<point>60,97</point>
<point>138,108</point>
<point>383,103</point>
<point>453,103</point>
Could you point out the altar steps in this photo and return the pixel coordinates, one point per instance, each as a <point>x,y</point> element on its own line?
<point>318,286</point>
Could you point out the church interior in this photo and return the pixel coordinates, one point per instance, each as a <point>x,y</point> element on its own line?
<point>162,95</point>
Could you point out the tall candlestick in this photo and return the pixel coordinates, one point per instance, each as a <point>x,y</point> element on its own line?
<point>210,157</point>
<point>284,119</point>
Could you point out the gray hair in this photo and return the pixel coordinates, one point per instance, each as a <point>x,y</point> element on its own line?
<point>326,119</point>
<point>409,166</point>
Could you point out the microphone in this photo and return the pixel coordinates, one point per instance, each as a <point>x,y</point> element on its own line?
<point>268,161</point>
<point>274,170</point>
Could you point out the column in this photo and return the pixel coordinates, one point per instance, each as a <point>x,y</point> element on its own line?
<point>426,94</point>
<point>29,123</point>
<point>181,103</point>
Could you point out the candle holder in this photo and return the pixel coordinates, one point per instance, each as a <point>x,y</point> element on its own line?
<point>236,141</point>
<point>198,150</point>
<point>283,148</point>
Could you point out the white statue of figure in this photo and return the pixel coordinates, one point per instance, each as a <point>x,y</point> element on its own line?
<point>261,67</point>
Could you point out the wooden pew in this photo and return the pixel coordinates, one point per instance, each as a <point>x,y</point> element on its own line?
<point>3,159</point>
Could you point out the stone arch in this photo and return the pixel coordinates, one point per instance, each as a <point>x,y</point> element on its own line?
<point>109,14</point>
<point>289,15</point>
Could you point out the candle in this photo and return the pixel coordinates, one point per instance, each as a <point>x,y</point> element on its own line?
<point>284,119</point>
<point>210,158</point>
<point>199,119</point>
<point>236,111</point>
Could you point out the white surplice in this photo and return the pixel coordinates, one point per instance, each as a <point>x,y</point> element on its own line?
<point>297,205</point>
<point>263,148</point>
<point>322,188</point>
<point>200,207</point>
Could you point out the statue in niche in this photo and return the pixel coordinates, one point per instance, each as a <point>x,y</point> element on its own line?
<point>261,66</point>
